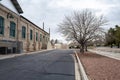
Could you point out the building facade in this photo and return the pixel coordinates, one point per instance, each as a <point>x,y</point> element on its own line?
<point>18,34</point>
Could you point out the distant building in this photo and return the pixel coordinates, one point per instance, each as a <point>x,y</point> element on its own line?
<point>18,34</point>
<point>49,46</point>
<point>60,46</point>
<point>74,44</point>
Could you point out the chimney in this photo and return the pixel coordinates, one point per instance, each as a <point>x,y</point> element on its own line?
<point>43,25</point>
<point>49,30</point>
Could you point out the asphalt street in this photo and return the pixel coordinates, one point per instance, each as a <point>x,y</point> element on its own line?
<point>48,65</point>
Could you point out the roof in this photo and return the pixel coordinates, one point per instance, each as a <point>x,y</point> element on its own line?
<point>33,23</point>
<point>17,6</point>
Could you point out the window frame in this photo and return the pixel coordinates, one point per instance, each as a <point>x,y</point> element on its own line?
<point>31,34</point>
<point>2,25</point>
<point>12,29</point>
<point>23,32</point>
<point>40,37</point>
<point>36,36</point>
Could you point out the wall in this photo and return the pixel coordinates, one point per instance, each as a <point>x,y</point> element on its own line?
<point>28,45</point>
<point>4,12</point>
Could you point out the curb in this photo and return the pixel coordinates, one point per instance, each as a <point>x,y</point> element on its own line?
<point>82,70</point>
<point>77,70</point>
<point>21,54</point>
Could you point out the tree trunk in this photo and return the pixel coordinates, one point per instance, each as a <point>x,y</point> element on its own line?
<point>86,48</point>
<point>111,45</point>
<point>118,45</point>
<point>82,48</point>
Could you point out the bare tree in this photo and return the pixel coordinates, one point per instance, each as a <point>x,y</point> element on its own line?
<point>82,27</point>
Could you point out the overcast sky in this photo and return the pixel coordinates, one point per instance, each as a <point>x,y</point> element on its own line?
<point>52,12</point>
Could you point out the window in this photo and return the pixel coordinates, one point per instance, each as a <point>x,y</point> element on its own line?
<point>43,38</point>
<point>36,36</point>
<point>31,34</point>
<point>1,25</point>
<point>12,29</point>
<point>23,32</point>
<point>40,37</point>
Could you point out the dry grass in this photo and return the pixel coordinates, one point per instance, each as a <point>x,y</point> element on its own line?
<point>100,67</point>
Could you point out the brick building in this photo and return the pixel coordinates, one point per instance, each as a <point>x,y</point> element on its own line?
<point>18,34</point>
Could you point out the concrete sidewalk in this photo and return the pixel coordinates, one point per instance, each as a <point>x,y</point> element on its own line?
<point>5,56</point>
<point>108,49</point>
<point>111,54</point>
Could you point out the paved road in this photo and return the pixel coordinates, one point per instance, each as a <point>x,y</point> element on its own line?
<point>49,65</point>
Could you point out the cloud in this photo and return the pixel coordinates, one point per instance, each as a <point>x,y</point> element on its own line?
<point>52,12</point>
<point>79,4</point>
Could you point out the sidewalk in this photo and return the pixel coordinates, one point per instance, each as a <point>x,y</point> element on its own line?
<point>5,56</point>
<point>112,53</point>
<point>108,49</point>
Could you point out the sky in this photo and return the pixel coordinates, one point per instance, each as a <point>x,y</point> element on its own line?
<point>52,12</point>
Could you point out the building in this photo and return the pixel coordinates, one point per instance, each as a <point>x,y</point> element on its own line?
<point>73,45</point>
<point>60,46</point>
<point>18,34</point>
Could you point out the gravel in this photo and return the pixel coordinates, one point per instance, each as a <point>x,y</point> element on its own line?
<point>100,67</point>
